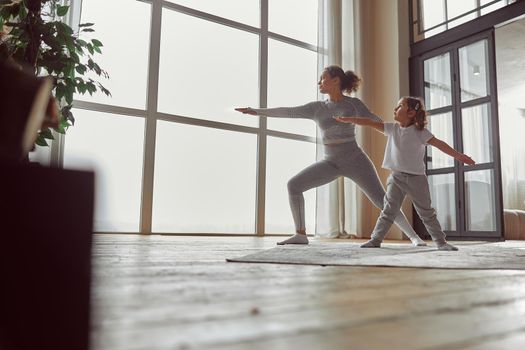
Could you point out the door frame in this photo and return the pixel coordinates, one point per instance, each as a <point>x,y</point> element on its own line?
<point>417,89</point>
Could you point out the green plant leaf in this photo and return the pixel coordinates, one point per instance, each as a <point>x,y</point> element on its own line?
<point>75,57</point>
<point>90,49</point>
<point>22,12</point>
<point>63,29</point>
<point>104,90</point>
<point>97,69</point>
<point>60,91</point>
<point>62,10</point>
<point>81,88</point>
<point>81,69</point>
<point>91,88</point>
<point>96,42</point>
<point>70,90</point>
<point>71,118</point>
<point>70,44</point>
<point>71,71</point>
<point>47,134</point>
<point>63,125</point>
<point>41,141</point>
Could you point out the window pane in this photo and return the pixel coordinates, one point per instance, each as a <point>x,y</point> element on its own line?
<point>285,158</point>
<point>457,8</point>
<point>473,71</point>
<point>477,133</point>
<point>112,146</point>
<point>441,126</point>
<point>433,12</point>
<point>294,18</point>
<point>442,191</point>
<point>480,208</point>
<point>126,39</point>
<point>511,131</point>
<point>208,73</point>
<point>491,8</point>
<point>434,31</point>
<point>204,180</point>
<point>438,88</point>
<point>292,81</point>
<point>244,11</point>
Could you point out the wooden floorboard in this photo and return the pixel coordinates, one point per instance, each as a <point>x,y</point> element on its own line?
<point>177,292</point>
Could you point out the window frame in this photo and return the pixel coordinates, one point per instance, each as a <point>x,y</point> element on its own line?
<point>151,114</point>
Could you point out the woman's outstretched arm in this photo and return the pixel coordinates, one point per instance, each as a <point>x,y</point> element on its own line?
<point>307,111</point>
<point>379,126</point>
<point>246,110</point>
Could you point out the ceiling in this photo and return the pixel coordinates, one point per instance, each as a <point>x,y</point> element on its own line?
<point>510,63</point>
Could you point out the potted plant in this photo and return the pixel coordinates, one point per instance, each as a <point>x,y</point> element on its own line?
<point>46,212</point>
<point>34,35</point>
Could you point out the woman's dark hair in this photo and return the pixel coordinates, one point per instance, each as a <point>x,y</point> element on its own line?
<point>349,80</point>
<point>416,104</point>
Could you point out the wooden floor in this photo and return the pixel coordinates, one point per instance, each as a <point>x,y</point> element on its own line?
<point>167,292</point>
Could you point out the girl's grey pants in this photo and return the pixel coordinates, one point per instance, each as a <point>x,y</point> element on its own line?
<point>346,159</point>
<point>416,186</point>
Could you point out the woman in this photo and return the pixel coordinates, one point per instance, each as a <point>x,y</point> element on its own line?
<point>343,156</point>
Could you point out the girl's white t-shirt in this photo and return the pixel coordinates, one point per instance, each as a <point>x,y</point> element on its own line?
<point>405,148</point>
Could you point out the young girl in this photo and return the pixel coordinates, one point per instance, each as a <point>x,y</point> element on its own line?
<point>404,156</point>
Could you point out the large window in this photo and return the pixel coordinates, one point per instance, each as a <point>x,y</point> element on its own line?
<point>170,153</point>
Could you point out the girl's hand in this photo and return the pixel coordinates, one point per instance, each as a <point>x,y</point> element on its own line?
<point>246,110</point>
<point>466,159</point>
<point>344,119</point>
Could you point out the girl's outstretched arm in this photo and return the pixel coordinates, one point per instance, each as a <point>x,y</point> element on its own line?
<point>444,147</point>
<point>379,126</point>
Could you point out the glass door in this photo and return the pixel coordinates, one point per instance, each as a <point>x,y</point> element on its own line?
<point>459,88</point>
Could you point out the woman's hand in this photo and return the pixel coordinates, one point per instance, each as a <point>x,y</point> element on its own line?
<point>465,159</point>
<point>246,110</point>
<point>344,119</point>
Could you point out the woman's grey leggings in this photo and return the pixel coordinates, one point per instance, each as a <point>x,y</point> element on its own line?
<point>347,160</point>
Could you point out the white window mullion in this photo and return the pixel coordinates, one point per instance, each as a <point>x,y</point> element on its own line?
<point>151,120</point>
<point>262,137</point>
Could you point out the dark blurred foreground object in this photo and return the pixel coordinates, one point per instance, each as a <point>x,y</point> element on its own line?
<point>27,106</point>
<point>46,218</point>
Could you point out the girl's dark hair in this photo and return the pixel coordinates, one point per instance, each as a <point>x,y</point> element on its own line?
<point>349,80</point>
<point>416,104</point>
